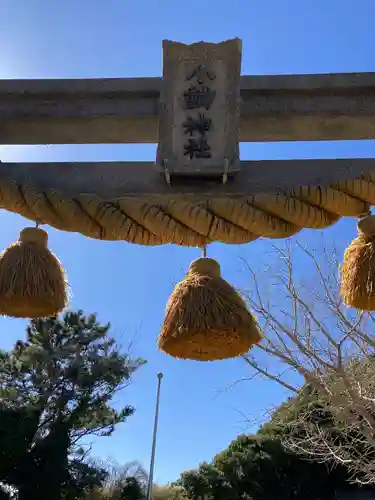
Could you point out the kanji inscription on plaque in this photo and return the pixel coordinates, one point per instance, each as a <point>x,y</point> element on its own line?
<point>200,108</point>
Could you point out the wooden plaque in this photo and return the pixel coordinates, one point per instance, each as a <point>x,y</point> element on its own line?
<point>200,108</point>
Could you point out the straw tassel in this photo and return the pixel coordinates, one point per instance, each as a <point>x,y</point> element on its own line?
<point>358,269</point>
<point>206,318</point>
<point>32,280</point>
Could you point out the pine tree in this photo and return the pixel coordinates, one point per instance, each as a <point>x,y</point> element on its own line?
<point>63,378</point>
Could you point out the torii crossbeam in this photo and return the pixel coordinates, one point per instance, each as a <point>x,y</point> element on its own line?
<point>331,107</point>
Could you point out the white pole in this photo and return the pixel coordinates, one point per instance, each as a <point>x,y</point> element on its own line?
<point>152,463</point>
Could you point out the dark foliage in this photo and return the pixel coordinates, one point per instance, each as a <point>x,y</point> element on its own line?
<point>55,389</point>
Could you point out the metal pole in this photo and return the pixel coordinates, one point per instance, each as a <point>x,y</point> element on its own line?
<point>152,463</point>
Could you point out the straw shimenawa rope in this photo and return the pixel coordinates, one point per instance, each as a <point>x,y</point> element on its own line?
<point>233,221</point>
<point>358,269</point>
<point>206,318</point>
<point>32,280</point>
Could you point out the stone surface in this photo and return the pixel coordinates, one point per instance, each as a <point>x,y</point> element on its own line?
<point>125,110</point>
<point>199,108</point>
<point>140,180</point>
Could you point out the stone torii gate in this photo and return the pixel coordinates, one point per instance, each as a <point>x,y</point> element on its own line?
<point>198,191</point>
<point>87,111</point>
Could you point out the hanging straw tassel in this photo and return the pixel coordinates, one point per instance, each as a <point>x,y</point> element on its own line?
<point>32,280</point>
<point>206,319</point>
<point>358,269</point>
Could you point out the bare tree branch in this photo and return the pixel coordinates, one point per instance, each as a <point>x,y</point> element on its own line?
<point>325,346</point>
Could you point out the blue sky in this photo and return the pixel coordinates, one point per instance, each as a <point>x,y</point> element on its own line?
<point>129,285</point>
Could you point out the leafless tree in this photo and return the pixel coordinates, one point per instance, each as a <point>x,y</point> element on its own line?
<point>313,341</point>
<point>117,476</point>
<point>113,489</point>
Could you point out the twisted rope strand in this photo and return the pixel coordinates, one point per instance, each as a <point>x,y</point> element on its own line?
<point>232,221</point>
